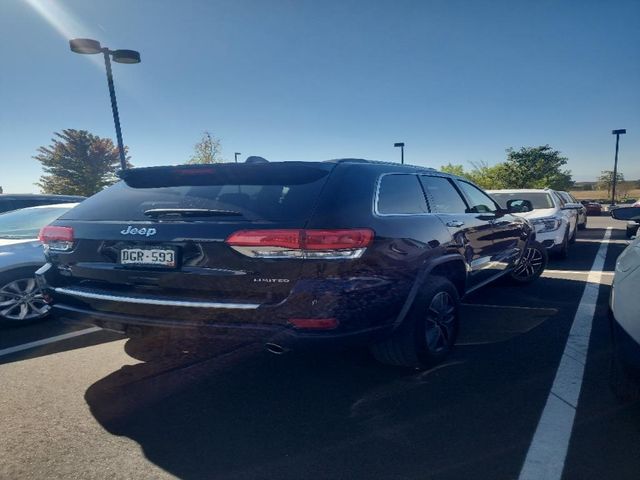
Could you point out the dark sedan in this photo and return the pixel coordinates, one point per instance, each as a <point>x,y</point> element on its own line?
<point>593,208</point>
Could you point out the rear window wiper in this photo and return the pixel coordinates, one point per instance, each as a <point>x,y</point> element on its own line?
<point>190,212</point>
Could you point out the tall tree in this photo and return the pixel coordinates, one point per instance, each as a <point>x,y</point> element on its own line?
<point>605,180</point>
<point>207,150</point>
<point>78,163</point>
<point>536,167</point>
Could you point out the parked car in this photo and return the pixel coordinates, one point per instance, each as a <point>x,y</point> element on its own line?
<point>580,212</point>
<point>10,202</point>
<point>297,253</point>
<point>20,256</point>
<point>593,208</point>
<point>624,306</point>
<point>554,219</point>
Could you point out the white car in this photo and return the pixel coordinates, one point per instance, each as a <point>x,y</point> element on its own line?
<point>21,254</point>
<point>554,219</point>
<point>624,304</point>
<point>582,213</point>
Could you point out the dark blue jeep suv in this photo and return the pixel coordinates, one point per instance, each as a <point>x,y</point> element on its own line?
<point>288,252</point>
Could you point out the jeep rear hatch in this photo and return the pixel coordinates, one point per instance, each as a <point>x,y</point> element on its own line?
<point>173,232</point>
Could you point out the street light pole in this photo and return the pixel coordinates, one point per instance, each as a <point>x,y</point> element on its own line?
<point>617,133</point>
<point>401,145</point>
<point>114,108</point>
<point>88,46</point>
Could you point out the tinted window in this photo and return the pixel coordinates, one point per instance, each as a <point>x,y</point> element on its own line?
<point>256,192</point>
<point>26,223</point>
<point>443,197</point>
<point>537,199</point>
<point>401,194</point>
<point>479,202</point>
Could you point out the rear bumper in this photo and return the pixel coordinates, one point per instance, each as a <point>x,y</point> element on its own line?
<point>363,308</point>
<point>285,336</point>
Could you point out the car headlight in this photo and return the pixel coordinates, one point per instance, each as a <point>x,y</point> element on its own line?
<point>546,224</point>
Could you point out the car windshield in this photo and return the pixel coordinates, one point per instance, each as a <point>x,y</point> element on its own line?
<point>27,222</point>
<point>538,199</point>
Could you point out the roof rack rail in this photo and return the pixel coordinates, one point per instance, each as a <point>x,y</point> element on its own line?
<point>377,162</point>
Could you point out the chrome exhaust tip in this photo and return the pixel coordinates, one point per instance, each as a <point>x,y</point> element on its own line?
<point>275,348</point>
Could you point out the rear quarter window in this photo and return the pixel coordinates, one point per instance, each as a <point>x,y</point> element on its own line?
<point>400,194</point>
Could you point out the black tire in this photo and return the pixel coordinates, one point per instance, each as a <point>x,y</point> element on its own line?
<point>624,384</point>
<point>532,264</point>
<point>19,277</point>
<point>428,333</point>
<point>563,251</point>
<point>582,226</point>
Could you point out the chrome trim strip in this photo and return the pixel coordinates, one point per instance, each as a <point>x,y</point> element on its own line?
<point>153,301</point>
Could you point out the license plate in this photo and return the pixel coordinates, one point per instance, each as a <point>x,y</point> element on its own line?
<point>148,256</point>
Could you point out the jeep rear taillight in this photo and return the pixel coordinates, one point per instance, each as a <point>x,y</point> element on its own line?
<point>59,239</point>
<point>302,243</point>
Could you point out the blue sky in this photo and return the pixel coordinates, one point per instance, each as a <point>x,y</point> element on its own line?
<point>458,81</point>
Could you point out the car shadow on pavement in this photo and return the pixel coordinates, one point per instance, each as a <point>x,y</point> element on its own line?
<point>230,410</point>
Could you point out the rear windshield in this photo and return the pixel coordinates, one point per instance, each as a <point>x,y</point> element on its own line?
<point>263,192</point>
<point>537,199</point>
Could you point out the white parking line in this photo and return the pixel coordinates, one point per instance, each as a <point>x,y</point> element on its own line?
<point>548,449</point>
<point>44,341</point>
<point>575,272</point>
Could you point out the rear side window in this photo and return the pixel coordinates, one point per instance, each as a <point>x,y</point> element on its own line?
<point>443,196</point>
<point>400,194</point>
<point>261,192</point>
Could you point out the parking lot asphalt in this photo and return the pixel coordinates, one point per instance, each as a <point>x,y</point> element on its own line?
<point>98,405</point>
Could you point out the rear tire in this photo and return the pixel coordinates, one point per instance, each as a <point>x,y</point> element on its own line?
<point>428,333</point>
<point>582,226</point>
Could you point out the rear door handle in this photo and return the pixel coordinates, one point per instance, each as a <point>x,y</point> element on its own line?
<point>455,223</point>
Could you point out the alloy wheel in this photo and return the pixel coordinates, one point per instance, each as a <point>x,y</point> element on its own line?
<point>530,264</point>
<point>440,322</point>
<point>22,300</point>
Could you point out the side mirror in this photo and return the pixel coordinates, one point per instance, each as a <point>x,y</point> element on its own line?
<point>626,213</point>
<point>572,206</point>
<point>519,206</point>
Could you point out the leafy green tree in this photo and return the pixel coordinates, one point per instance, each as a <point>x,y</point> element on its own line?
<point>489,177</point>
<point>207,150</point>
<point>78,163</point>
<point>605,180</point>
<point>454,170</point>
<point>536,167</point>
